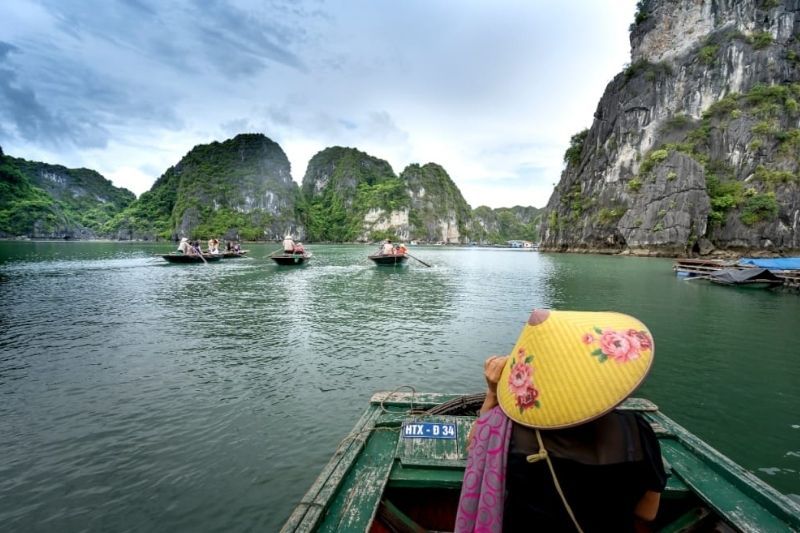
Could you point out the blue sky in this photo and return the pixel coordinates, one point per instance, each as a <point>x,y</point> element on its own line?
<point>492,91</point>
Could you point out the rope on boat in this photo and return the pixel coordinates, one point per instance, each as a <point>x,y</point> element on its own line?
<point>467,404</point>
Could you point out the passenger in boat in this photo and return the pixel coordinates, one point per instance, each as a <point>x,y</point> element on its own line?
<point>288,244</point>
<point>571,461</point>
<point>401,249</point>
<point>213,246</point>
<point>196,248</point>
<point>229,246</point>
<point>236,248</point>
<point>184,246</point>
<point>299,248</point>
<point>387,248</point>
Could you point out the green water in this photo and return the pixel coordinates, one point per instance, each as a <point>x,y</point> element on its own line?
<point>141,396</point>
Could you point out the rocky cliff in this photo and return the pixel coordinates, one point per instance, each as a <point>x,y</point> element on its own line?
<point>695,147</point>
<point>438,211</point>
<point>496,226</point>
<point>349,195</point>
<point>44,201</point>
<point>238,189</point>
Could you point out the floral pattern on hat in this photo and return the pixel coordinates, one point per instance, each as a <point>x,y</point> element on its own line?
<point>520,381</point>
<point>621,346</point>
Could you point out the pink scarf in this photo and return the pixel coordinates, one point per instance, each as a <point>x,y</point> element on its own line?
<point>480,508</point>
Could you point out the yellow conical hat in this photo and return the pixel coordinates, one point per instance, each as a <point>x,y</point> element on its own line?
<point>570,367</point>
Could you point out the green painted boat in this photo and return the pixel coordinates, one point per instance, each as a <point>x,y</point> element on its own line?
<point>380,480</point>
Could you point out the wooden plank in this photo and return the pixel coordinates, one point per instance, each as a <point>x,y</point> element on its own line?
<point>423,400</point>
<point>687,522</point>
<point>728,500</point>
<point>772,502</point>
<point>637,404</point>
<point>308,512</point>
<point>422,477</point>
<point>355,503</point>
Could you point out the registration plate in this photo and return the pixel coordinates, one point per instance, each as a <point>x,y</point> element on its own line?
<point>428,430</point>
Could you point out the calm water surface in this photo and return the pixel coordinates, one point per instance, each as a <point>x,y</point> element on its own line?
<point>141,396</point>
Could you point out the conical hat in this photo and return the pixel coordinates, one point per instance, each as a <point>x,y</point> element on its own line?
<point>570,367</point>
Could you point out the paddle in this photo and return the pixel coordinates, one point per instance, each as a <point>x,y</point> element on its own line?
<point>420,260</point>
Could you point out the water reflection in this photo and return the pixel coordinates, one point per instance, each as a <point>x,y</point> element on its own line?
<point>207,397</point>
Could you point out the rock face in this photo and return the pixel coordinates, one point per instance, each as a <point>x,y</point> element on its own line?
<point>695,147</point>
<point>438,211</point>
<point>44,201</point>
<point>238,189</point>
<point>495,226</point>
<point>349,195</point>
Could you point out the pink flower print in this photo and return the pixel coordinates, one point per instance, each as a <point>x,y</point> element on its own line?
<point>619,346</point>
<point>587,338</point>
<point>644,341</point>
<point>520,378</point>
<point>528,397</point>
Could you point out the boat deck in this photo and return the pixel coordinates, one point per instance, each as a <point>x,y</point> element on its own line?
<point>377,472</point>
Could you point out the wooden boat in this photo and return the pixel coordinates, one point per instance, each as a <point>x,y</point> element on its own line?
<point>753,278</point>
<point>181,258</point>
<point>382,478</point>
<point>285,259</point>
<point>233,255</point>
<point>389,259</point>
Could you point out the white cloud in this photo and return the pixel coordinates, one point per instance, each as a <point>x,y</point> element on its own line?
<point>488,90</point>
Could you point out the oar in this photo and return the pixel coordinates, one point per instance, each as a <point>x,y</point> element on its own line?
<point>203,258</point>
<point>420,260</point>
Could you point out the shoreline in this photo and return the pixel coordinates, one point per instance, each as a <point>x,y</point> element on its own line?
<point>629,252</point>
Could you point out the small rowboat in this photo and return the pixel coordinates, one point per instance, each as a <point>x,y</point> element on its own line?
<point>181,258</point>
<point>285,259</point>
<point>233,255</point>
<point>384,477</point>
<point>389,259</point>
<point>752,278</point>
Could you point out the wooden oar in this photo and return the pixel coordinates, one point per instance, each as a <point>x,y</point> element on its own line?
<point>420,260</point>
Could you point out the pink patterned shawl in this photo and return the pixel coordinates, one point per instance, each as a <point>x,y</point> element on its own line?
<point>480,508</point>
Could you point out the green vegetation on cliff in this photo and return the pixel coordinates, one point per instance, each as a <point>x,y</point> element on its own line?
<point>240,188</point>
<point>52,201</point>
<point>497,226</point>
<point>340,187</point>
<point>438,208</point>
<point>764,108</point>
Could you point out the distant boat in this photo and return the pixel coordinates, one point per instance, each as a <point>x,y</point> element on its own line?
<point>233,255</point>
<point>389,259</point>
<point>182,258</point>
<point>285,259</point>
<point>753,278</point>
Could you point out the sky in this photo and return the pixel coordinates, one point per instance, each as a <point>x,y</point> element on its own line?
<point>490,90</point>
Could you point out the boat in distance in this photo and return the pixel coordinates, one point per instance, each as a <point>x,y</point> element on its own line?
<point>233,255</point>
<point>285,259</point>
<point>182,258</point>
<point>752,278</point>
<point>388,259</point>
<point>384,478</point>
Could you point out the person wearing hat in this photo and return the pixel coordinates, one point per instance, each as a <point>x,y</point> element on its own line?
<point>288,244</point>
<point>549,451</point>
<point>387,248</point>
<point>184,246</point>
